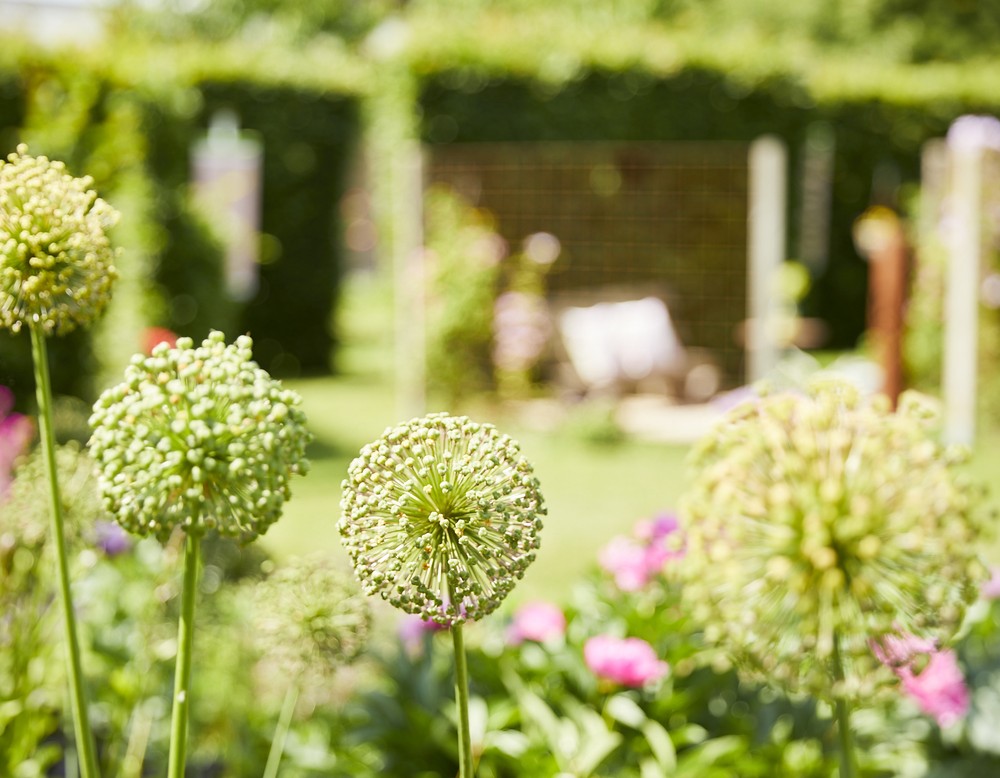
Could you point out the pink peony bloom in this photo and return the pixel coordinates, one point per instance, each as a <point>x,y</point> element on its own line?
<point>991,589</point>
<point>538,621</point>
<point>626,560</point>
<point>626,661</point>
<point>939,689</point>
<point>900,650</point>
<point>16,432</point>
<point>635,561</point>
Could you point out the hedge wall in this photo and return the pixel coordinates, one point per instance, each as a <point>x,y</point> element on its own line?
<point>133,133</point>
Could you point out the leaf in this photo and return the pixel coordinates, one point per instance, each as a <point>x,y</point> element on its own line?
<point>596,743</point>
<point>507,741</point>
<point>625,710</point>
<point>478,717</point>
<point>661,745</point>
<point>649,768</point>
<point>693,762</point>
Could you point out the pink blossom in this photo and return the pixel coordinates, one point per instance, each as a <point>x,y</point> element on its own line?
<point>538,621</point>
<point>634,561</point>
<point>939,688</point>
<point>991,589</point>
<point>900,650</point>
<point>626,661</point>
<point>626,560</point>
<point>412,628</point>
<point>16,432</point>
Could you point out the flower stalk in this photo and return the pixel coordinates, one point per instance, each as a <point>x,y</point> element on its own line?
<point>281,731</point>
<point>185,649</point>
<point>845,737</point>
<point>78,699</point>
<point>462,702</point>
<point>196,440</point>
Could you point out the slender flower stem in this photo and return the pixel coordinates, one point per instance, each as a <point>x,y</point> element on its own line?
<point>78,701</point>
<point>281,731</point>
<point>845,737</point>
<point>462,700</point>
<point>182,674</point>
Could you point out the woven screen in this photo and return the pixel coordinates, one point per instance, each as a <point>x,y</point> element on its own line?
<point>668,219</point>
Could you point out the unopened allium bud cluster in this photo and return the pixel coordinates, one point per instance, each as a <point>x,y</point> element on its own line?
<point>818,521</point>
<point>310,617</point>
<point>199,438</point>
<point>441,517</point>
<point>56,261</point>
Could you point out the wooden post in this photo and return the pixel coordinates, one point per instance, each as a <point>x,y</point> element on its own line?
<point>879,236</point>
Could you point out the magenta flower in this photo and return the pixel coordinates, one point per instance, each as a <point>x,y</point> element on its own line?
<point>16,432</point>
<point>626,661</point>
<point>634,561</point>
<point>537,621</point>
<point>900,650</point>
<point>939,689</point>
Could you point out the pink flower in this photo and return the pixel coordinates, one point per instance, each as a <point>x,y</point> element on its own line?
<point>626,661</point>
<point>412,628</point>
<point>16,432</point>
<point>634,561</point>
<point>991,589</point>
<point>626,560</point>
<point>900,650</point>
<point>939,689</point>
<point>538,621</point>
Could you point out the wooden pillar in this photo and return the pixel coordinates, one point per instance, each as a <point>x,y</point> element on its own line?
<point>880,237</point>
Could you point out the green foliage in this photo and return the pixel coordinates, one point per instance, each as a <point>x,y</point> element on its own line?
<point>463,268</point>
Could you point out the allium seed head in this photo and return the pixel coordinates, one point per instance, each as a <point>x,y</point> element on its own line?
<point>441,517</point>
<point>199,438</point>
<point>818,521</point>
<point>56,262</point>
<point>310,617</point>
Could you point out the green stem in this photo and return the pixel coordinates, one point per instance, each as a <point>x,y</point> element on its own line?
<point>281,731</point>
<point>845,737</point>
<point>182,674</point>
<point>78,700</point>
<point>462,700</point>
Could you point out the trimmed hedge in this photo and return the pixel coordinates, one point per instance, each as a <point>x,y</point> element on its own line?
<point>133,132</point>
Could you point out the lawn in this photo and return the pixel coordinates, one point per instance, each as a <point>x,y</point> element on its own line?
<point>593,490</point>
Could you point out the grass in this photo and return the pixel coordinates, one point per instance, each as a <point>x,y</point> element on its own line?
<point>593,490</point>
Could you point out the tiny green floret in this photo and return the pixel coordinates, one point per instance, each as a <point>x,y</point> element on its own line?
<point>817,522</point>
<point>441,517</point>
<point>199,438</point>
<point>56,261</point>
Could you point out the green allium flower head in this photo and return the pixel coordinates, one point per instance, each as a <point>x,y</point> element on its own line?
<point>199,438</point>
<point>817,522</point>
<point>310,617</point>
<point>56,262</point>
<point>441,517</point>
